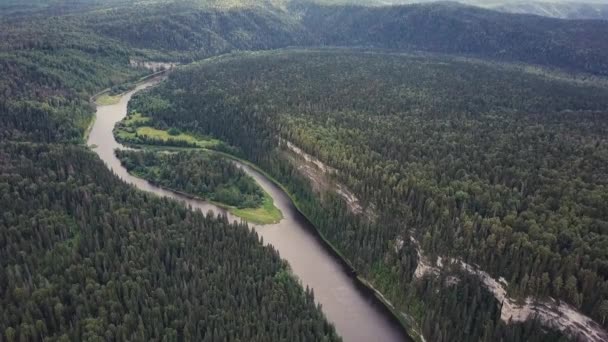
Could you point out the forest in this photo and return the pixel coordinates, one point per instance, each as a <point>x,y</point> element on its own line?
<point>490,164</point>
<point>453,28</point>
<point>54,56</point>
<point>498,165</point>
<point>49,70</point>
<point>85,257</point>
<point>204,175</point>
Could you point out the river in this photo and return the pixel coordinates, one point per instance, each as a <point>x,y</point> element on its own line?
<point>354,310</point>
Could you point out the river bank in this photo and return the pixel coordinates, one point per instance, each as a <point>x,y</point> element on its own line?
<point>355,309</point>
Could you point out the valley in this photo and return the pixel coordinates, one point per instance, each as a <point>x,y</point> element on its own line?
<point>357,314</point>
<point>302,170</point>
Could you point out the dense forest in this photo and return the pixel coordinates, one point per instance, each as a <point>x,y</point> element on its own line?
<point>204,175</point>
<point>85,257</point>
<point>49,71</point>
<point>449,27</point>
<point>473,160</point>
<point>495,166</point>
<point>193,33</point>
<point>202,31</point>
<point>51,63</point>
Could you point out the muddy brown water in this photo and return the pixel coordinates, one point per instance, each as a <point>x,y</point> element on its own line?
<point>353,309</point>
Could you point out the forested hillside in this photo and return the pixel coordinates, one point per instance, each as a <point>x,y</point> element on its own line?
<point>200,31</point>
<point>193,32</point>
<point>479,162</point>
<point>51,64</point>
<point>448,27</point>
<point>49,70</point>
<point>190,30</point>
<point>563,9</point>
<point>85,257</point>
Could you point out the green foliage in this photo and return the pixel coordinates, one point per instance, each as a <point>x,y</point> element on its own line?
<point>61,60</point>
<point>450,27</point>
<point>84,257</point>
<point>267,213</point>
<point>52,65</point>
<point>173,131</point>
<point>208,176</point>
<point>464,313</point>
<point>107,100</point>
<point>49,70</point>
<point>121,88</point>
<point>190,32</point>
<point>499,167</point>
<point>198,173</point>
<point>134,129</point>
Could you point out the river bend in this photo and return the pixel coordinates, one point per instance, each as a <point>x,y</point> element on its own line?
<point>352,308</point>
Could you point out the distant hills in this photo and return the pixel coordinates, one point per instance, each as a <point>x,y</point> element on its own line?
<point>566,10</point>
<point>189,30</point>
<point>454,28</point>
<point>586,9</point>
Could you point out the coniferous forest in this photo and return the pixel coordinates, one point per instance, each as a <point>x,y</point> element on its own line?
<point>85,257</point>
<point>448,135</point>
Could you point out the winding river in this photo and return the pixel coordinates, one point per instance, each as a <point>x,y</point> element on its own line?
<point>354,310</point>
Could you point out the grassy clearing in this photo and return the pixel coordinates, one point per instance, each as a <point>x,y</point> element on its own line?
<point>134,129</point>
<point>150,132</point>
<point>124,136</point>
<point>266,214</point>
<point>135,119</point>
<point>108,100</point>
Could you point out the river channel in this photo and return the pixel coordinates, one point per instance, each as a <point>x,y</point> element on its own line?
<point>354,310</point>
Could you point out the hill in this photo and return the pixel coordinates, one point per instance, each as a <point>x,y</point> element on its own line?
<point>554,9</point>
<point>465,30</point>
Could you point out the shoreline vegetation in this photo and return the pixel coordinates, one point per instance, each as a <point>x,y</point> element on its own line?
<point>201,175</point>
<point>95,98</point>
<point>138,130</point>
<point>169,252</point>
<point>409,325</point>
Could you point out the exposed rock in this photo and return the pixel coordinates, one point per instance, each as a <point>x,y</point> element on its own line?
<point>152,66</point>
<point>551,313</point>
<point>320,174</point>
